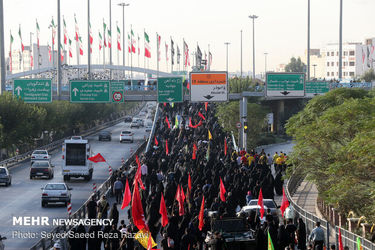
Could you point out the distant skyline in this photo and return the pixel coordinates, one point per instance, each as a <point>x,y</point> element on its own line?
<point>280,29</point>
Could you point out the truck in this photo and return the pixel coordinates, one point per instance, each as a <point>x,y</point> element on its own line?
<point>75,154</point>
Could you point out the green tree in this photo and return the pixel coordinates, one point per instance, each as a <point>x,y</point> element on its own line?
<point>335,147</point>
<point>228,115</point>
<point>295,65</point>
<point>369,75</point>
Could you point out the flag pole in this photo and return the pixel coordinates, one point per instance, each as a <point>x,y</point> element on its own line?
<point>131,51</point>
<point>99,46</point>
<point>171,56</point>
<point>157,53</point>
<point>10,54</point>
<point>144,53</point>
<point>139,50</point>
<point>209,60</point>
<point>104,44</point>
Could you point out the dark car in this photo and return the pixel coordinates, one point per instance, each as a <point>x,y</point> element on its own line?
<point>40,169</point>
<point>128,119</point>
<point>5,176</point>
<point>105,135</point>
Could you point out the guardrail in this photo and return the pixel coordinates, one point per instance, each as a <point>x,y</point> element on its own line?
<point>46,243</point>
<point>16,159</point>
<point>348,238</point>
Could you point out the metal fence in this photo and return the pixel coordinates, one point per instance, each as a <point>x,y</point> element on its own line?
<point>348,238</point>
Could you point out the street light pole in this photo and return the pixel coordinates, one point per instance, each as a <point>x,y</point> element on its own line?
<point>241,53</point>
<point>110,38</point>
<point>253,17</point>
<point>123,5</point>
<point>314,65</point>
<point>227,43</point>
<point>265,64</point>
<point>58,52</point>
<point>308,40</point>
<point>340,43</point>
<point>2,53</point>
<point>88,42</point>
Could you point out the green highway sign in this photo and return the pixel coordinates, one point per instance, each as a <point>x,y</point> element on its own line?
<point>33,90</point>
<point>170,89</point>
<point>117,91</point>
<point>89,91</point>
<point>285,84</point>
<point>316,88</point>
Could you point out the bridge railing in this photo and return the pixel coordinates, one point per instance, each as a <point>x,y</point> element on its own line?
<point>348,238</point>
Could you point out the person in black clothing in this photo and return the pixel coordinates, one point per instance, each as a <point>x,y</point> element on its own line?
<point>217,243</point>
<point>91,208</point>
<point>114,214</point>
<point>94,243</point>
<point>301,234</point>
<point>282,238</point>
<point>114,242</point>
<point>291,229</point>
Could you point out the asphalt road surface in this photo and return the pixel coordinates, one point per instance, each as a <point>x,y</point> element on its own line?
<point>23,197</point>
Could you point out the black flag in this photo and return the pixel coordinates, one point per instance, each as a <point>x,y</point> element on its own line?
<point>199,57</point>
<point>172,51</point>
<point>178,55</point>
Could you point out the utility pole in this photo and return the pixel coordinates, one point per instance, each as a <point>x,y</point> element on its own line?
<point>2,54</point>
<point>227,43</point>
<point>340,44</point>
<point>58,52</point>
<point>123,5</point>
<point>88,42</point>
<point>265,64</point>
<point>241,53</point>
<point>253,17</point>
<point>308,40</point>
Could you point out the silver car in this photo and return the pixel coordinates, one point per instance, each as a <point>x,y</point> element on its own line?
<point>56,192</point>
<point>40,155</point>
<point>5,176</point>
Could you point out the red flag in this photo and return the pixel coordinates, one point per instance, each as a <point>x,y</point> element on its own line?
<point>163,211</point>
<point>127,196</point>
<point>180,197</point>
<point>156,141</point>
<point>137,210</point>
<point>167,121</point>
<point>194,126</point>
<point>284,203</point>
<point>225,147</point>
<point>189,183</point>
<point>166,147</point>
<point>341,246</point>
<point>97,158</point>
<point>194,152</point>
<point>187,85</point>
<point>201,214</point>
<point>201,116</point>
<point>165,104</point>
<point>149,243</point>
<point>260,203</point>
<point>222,191</point>
<point>137,177</point>
<point>182,194</point>
<point>205,106</point>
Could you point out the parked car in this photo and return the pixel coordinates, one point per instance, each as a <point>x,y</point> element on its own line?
<point>105,135</point>
<point>56,192</point>
<point>126,136</point>
<point>40,155</point>
<point>5,176</point>
<point>40,169</point>
<point>128,118</point>
<point>134,124</point>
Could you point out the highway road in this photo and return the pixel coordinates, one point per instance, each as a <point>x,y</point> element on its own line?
<point>23,197</point>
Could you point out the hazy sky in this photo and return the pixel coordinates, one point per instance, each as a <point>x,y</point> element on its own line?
<point>280,30</point>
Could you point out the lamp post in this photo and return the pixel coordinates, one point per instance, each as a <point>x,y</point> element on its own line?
<point>241,54</point>
<point>265,64</point>
<point>58,52</point>
<point>314,65</point>
<point>123,5</point>
<point>340,43</point>
<point>2,53</point>
<point>227,43</point>
<point>253,17</point>
<point>308,40</point>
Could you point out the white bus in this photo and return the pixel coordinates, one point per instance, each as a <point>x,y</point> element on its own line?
<point>75,154</point>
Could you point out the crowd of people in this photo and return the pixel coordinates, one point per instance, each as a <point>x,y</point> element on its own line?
<point>191,153</point>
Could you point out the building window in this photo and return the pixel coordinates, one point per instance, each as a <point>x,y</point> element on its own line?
<point>345,53</point>
<point>351,73</point>
<point>351,64</point>
<point>332,64</point>
<point>337,53</point>
<point>351,53</point>
<point>327,53</point>
<point>337,64</point>
<point>327,73</point>
<point>332,53</point>
<point>345,63</point>
<point>332,73</point>
<point>327,64</point>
